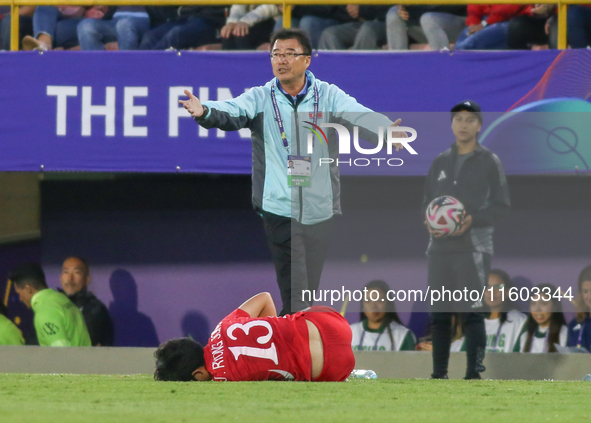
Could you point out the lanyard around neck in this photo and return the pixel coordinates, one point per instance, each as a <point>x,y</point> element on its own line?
<point>277,113</point>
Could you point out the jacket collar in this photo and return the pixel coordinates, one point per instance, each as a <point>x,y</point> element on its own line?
<point>479,148</point>
<point>310,79</point>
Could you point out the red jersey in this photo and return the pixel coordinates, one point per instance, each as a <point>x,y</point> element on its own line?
<point>243,348</point>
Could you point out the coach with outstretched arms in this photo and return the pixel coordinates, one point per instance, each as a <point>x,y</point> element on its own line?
<point>474,175</point>
<point>297,210</point>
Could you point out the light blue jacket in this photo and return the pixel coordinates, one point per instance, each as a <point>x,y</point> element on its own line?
<point>270,191</point>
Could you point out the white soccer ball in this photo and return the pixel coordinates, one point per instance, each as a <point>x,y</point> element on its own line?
<point>445,214</point>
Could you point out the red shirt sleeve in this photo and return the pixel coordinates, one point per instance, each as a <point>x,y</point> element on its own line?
<point>475,13</point>
<point>503,12</point>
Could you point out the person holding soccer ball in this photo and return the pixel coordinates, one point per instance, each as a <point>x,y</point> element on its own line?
<point>252,344</point>
<point>474,176</point>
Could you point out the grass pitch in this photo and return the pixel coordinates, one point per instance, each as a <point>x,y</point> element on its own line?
<point>137,398</point>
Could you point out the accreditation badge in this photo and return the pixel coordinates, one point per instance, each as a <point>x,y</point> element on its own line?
<point>299,171</point>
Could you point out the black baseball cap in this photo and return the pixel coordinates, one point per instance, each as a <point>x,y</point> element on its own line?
<point>467,106</point>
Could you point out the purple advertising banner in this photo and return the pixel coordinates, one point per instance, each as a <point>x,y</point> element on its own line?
<point>104,111</point>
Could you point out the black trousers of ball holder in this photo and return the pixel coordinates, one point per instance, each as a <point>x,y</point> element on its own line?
<point>456,271</point>
<point>299,252</point>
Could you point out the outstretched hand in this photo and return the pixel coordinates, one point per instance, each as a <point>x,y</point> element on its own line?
<point>403,134</point>
<point>193,105</point>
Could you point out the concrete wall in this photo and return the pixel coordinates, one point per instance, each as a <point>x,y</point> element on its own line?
<point>399,365</point>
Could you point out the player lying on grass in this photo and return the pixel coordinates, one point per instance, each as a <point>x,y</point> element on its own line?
<point>252,343</point>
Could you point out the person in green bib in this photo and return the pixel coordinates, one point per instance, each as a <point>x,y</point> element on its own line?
<point>58,322</point>
<point>9,333</point>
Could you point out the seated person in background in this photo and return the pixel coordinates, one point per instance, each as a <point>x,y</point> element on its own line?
<point>504,324</point>
<point>75,278</point>
<point>247,27</point>
<point>192,26</point>
<point>458,342</point>
<point>57,321</point>
<point>25,25</point>
<point>545,323</point>
<point>252,343</point>
<point>579,329</point>
<point>366,31</point>
<point>437,25</point>
<point>9,333</point>
<point>103,34</point>
<point>488,26</point>
<point>56,26</point>
<point>531,29</point>
<point>313,20</point>
<point>380,329</point>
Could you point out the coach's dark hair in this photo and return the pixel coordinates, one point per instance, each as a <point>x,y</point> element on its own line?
<point>28,274</point>
<point>556,321</point>
<point>291,34</point>
<point>177,359</point>
<point>507,304</point>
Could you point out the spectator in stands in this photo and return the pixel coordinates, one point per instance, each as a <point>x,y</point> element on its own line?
<point>530,29</point>
<point>442,24</point>
<point>503,324</point>
<point>58,322</point>
<point>579,329</point>
<point>247,27</point>
<point>55,27</point>
<point>379,318</point>
<point>366,31</point>
<point>103,34</point>
<point>75,278</point>
<point>488,26</point>
<point>458,341</point>
<point>9,333</point>
<point>545,324</point>
<point>25,26</point>
<point>192,26</point>
<point>130,31</point>
<point>313,20</point>
<point>579,25</point>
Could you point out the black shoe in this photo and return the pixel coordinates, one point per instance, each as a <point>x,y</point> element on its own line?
<point>473,376</point>
<point>434,376</point>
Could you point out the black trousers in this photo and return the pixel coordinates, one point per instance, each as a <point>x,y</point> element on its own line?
<point>258,34</point>
<point>298,253</point>
<point>456,271</point>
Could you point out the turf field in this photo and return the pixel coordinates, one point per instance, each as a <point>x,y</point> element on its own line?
<point>137,398</point>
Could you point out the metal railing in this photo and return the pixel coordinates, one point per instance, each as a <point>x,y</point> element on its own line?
<point>15,4</point>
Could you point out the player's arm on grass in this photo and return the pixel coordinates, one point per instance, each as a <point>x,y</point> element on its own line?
<point>50,328</point>
<point>261,305</point>
<point>228,115</point>
<point>499,200</point>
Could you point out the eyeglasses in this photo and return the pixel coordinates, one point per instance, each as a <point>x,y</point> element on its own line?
<point>288,56</point>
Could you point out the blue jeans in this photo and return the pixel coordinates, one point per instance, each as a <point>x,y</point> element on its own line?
<point>579,26</point>
<point>93,34</point>
<point>62,30</point>
<point>313,25</point>
<point>180,34</point>
<point>492,37</point>
<point>25,28</point>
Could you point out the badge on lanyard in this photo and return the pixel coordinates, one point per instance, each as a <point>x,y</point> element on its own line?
<point>299,171</point>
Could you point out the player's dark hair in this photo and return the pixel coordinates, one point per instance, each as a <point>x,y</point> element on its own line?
<point>507,304</point>
<point>177,359</point>
<point>391,315</point>
<point>556,321</point>
<point>581,308</point>
<point>28,274</point>
<point>293,34</point>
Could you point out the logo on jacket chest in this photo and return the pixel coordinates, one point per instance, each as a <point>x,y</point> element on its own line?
<point>442,176</point>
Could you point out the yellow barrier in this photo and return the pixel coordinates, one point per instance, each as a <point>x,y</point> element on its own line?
<point>15,4</point>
